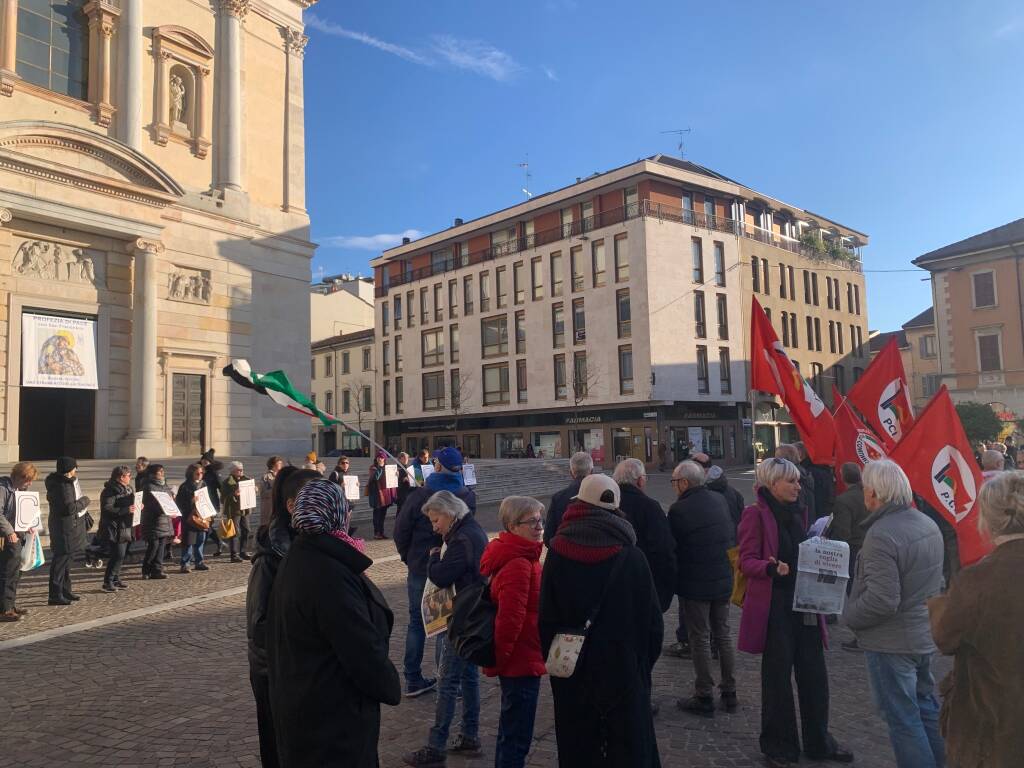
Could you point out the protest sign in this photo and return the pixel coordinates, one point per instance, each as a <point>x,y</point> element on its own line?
<point>204,505</point>
<point>247,494</point>
<point>469,474</point>
<point>26,511</point>
<point>166,502</point>
<point>391,476</point>
<point>822,574</point>
<point>78,495</point>
<point>351,487</point>
<point>436,606</point>
<point>426,470</point>
<point>137,509</point>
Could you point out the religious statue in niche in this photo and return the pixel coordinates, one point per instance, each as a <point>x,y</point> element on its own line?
<point>192,285</point>
<point>177,99</point>
<point>52,261</point>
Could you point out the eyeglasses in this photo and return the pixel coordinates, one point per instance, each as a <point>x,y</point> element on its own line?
<point>533,522</point>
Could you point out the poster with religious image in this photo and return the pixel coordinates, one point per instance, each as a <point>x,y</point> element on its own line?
<point>58,352</point>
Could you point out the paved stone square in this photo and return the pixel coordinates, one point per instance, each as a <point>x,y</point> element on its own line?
<point>161,679</point>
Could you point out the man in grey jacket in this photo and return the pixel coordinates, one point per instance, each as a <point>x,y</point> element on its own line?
<point>899,568</point>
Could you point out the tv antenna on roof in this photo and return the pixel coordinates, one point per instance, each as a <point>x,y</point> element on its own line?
<point>679,132</point>
<point>319,273</point>
<point>525,165</point>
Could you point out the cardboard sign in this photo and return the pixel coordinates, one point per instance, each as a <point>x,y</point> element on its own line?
<point>204,506</point>
<point>391,476</point>
<point>166,502</point>
<point>351,487</point>
<point>247,494</point>
<point>26,511</point>
<point>469,474</point>
<point>137,509</point>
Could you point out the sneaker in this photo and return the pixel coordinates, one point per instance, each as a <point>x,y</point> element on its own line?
<point>109,588</point>
<point>679,650</point>
<point>728,702</point>
<point>184,569</point>
<point>10,615</point>
<point>418,689</point>
<point>426,757</point>
<point>202,567</point>
<point>698,705</point>
<point>120,585</point>
<point>463,745</point>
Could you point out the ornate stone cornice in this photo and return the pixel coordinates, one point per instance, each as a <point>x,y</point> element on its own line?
<point>304,4</point>
<point>5,216</point>
<point>148,246</point>
<point>236,8</point>
<point>294,41</point>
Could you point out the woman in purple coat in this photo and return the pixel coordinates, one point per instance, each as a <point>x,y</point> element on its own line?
<point>790,643</point>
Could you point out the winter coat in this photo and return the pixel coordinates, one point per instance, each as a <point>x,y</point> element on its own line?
<point>808,496</point>
<point>978,621</point>
<point>556,509</point>
<point>328,631</point>
<point>405,486</point>
<point>899,569</point>
<point>513,565</point>
<point>414,538</point>
<point>603,712</point>
<point>733,499</point>
<point>654,538</point>
<point>67,529</point>
<point>759,541</point>
<point>824,488</point>
<point>230,503</point>
<point>848,517</point>
<point>272,544</point>
<point>265,491</point>
<point>211,476</point>
<point>376,488</point>
<point>116,502</point>
<point>8,513</point>
<point>702,529</point>
<point>185,499</point>
<point>155,524</point>
<point>460,563</point>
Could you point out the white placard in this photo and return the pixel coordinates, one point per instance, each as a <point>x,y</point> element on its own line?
<point>391,476</point>
<point>137,509</point>
<point>247,494</point>
<point>166,502</point>
<point>58,351</point>
<point>78,495</point>
<point>204,506</point>
<point>426,470</point>
<point>26,511</point>
<point>696,436</point>
<point>351,487</point>
<point>469,474</point>
<point>823,571</point>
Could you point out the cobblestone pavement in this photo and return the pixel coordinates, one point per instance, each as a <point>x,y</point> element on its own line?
<point>169,687</point>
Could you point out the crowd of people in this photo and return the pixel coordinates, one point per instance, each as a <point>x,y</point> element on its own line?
<point>589,613</point>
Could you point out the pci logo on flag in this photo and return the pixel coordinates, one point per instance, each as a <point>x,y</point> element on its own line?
<point>893,408</point>
<point>953,482</point>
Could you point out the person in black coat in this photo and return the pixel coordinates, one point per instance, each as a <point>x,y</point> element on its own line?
<point>580,465</point>
<point>273,540</point>
<point>141,470</point>
<point>117,506</point>
<point>594,570</point>
<point>716,480</point>
<point>67,529</point>
<point>824,483</point>
<point>156,525</point>
<point>211,476</point>
<point>703,532</point>
<point>405,481</point>
<point>650,524</point>
<point>328,630</point>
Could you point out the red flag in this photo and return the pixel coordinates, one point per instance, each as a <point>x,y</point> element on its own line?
<point>855,443</point>
<point>936,456</point>
<point>883,397</point>
<point>771,370</point>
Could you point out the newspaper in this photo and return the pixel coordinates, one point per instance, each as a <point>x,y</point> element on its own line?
<point>822,574</point>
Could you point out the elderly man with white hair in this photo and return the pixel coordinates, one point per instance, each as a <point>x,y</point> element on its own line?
<point>899,569</point>
<point>580,465</point>
<point>232,510</point>
<point>992,463</point>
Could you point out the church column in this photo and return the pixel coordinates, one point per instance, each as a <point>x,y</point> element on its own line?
<point>229,67</point>
<point>201,142</point>
<point>145,435</point>
<point>129,102</point>
<point>294,127</point>
<point>8,47</point>
<point>102,14</point>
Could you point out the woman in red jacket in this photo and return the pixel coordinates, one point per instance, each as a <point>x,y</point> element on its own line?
<point>512,561</point>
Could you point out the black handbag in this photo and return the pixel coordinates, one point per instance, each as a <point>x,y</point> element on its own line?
<point>471,628</point>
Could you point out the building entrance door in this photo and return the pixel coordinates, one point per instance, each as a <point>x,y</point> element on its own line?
<point>56,422</point>
<point>188,414</point>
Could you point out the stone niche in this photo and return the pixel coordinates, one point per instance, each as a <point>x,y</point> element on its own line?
<point>189,285</point>
<point>183,62</point>
<point>48,260</point>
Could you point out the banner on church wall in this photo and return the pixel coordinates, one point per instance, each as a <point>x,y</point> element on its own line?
<point>58,352</point>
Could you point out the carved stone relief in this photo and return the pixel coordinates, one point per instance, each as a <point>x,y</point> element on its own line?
<point>53,261</point>
<point>187,284</point>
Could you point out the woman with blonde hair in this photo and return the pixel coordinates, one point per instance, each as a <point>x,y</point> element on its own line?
<point>978,622</point>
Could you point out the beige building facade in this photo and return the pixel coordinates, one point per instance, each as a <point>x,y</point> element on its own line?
<point>152,184</point>
<point>342,379</point>
<point>610,316</point>
<point>339,305</point>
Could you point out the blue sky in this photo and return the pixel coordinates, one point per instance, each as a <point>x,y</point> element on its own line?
<point>902,120</point>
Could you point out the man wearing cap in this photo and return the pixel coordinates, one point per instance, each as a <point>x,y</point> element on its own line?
<point>594,571</point>
<point>414,538</point>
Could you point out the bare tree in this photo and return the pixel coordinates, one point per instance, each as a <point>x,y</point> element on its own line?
<point>360,406</point>
<point>460,395</point>
<point>585,380</point>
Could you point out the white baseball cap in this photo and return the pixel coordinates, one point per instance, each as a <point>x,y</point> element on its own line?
<point>599,491</point>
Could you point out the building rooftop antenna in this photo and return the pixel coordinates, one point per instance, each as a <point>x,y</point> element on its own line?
<point>525,165</point>
<point>679,132</point>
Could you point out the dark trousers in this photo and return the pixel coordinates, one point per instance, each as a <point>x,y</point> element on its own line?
<point>211,535</point>
<point>60,574</point>
<point>681,634</point>
<point>116,554</point>
<point>793,649</point>
<point>515,725</point>
<point>10,574</point>
<point>241,537</point>
<point>379,515</point>
<point>704,620</point>
<point>264,718</point>
<point>153,560</point>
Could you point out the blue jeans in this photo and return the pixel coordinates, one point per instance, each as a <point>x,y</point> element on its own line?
<point>515,725</point>
<point>415,635</point>
<point>904,692</point>
<point>455,673</point>
<point>192,546</point>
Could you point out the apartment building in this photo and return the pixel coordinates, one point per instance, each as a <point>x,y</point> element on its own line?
<point>978,299</point>
<point>340,304</point>
<point>611,316</point>
<point>342,379</point>
<point>919,353</point>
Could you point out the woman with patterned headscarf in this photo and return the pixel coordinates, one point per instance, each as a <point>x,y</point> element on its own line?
<point>327,640</point>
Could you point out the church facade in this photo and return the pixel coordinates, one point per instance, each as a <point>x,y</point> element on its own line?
<point>152,225</point>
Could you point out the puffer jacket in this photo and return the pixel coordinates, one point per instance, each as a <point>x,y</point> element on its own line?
<point>67,529</point>
<point>899,569</point>
<point>116,513</point>
<point>155,524</point>
<point>513,565</point>
<point>460,564</point>
<point>719,483</point>
<point>703,532</point>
